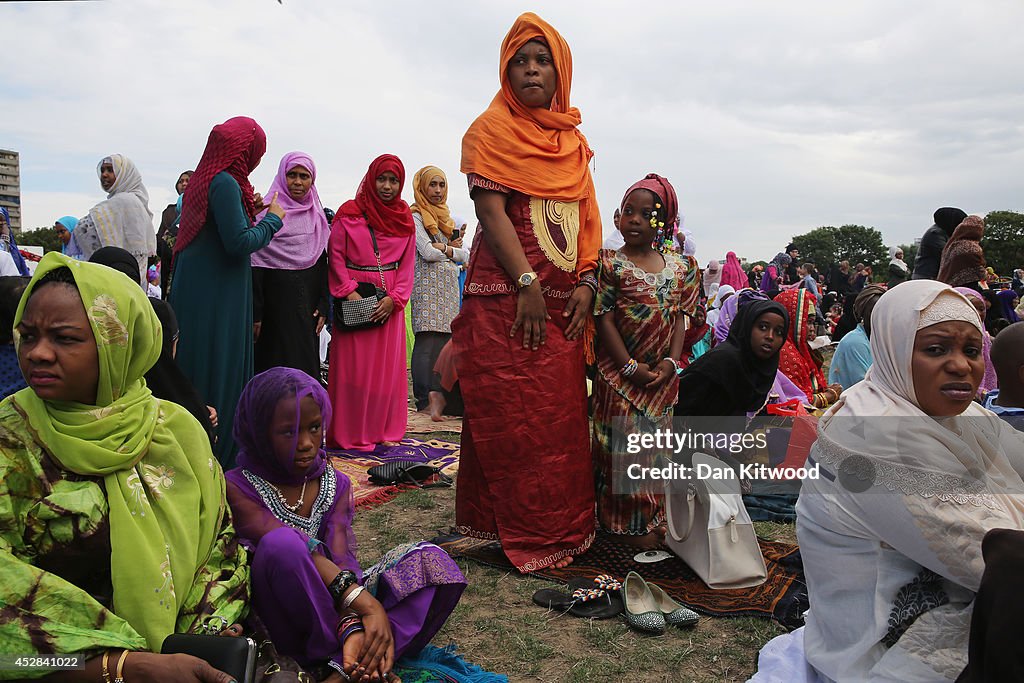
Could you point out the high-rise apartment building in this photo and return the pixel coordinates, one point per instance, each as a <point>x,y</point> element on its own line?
<point>10,186</point>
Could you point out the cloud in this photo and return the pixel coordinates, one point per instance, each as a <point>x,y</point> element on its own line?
<point>770,118</point>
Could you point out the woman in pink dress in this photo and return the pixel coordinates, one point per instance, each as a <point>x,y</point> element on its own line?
<point>732,272</point>
<point>367,378</point>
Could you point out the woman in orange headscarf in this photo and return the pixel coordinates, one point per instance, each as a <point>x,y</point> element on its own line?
<point>529,291</point>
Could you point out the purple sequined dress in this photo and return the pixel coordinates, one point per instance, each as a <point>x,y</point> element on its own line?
<point>418,584</point>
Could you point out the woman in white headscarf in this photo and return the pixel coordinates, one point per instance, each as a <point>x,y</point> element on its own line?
<point>898,270</point>
<point>123,219</point>
<point>913,474</point>
<point>718,296</point>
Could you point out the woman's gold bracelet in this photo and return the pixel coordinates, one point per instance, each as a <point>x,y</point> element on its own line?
<point>119,676</point>
<point>106,663</point>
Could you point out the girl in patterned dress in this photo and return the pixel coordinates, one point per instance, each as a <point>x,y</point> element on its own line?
<point>643,296</point>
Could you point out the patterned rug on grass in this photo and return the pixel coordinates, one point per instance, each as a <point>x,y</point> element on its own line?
<point>782,597</point>
<point>420,423</point>
<point>355,464</point>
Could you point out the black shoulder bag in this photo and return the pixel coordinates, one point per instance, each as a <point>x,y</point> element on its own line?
<point>351,315</point>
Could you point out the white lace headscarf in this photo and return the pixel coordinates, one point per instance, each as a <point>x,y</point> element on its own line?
<point>124,219</point>
<point>879,426</point>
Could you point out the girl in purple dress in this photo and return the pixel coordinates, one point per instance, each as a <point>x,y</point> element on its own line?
<point>295,512</point>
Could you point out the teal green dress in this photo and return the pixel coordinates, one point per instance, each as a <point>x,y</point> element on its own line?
<point>211,294</point>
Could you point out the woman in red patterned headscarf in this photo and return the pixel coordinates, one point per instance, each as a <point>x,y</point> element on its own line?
<point>372,244</point>
<point>211,291</point>
<point>797,361</point>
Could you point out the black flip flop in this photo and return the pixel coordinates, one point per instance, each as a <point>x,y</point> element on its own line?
<point>586,602</point>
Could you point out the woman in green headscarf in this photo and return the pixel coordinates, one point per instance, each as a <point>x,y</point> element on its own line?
<point>114,531</point>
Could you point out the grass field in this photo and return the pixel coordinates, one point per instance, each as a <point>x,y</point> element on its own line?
<point>498,627</point>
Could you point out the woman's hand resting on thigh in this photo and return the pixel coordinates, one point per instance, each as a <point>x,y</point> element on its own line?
<point>532,316</point>
<point>578,310</point>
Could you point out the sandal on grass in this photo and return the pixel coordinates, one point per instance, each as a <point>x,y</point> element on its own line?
<point>604,582</point>
<point>586,603</point>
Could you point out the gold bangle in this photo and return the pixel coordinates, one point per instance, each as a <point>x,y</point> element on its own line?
<point>119,676</point>
<point>106,663</point>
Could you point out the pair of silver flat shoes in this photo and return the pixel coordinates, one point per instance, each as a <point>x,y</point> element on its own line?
<point>648,608</point>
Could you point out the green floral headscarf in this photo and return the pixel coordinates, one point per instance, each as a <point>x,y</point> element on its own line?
<point>166,500</point>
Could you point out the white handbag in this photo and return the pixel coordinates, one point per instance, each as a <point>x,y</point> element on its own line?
<point>709,528</point>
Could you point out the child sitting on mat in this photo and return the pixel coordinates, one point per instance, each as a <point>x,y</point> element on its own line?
<point>295,511</point>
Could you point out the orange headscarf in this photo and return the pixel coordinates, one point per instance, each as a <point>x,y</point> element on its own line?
<point>536,151</point>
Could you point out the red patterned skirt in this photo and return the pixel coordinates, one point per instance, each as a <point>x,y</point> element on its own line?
<point>525,473</point>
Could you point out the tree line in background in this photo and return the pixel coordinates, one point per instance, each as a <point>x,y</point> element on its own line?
<point>40,237</point>
<point>1003,244</point>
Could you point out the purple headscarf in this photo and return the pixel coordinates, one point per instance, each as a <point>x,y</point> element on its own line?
<point>728,312</point>
<point>303,238</point>
<point>253,518</point>
<point>255,413</point>
<point>1006,297</point>
<point>773,272</point>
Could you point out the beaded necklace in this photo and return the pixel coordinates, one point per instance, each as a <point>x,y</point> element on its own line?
<point>284,501</point>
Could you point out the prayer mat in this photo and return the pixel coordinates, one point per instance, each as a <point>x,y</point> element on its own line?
<point>420,423</point>
<point>355,465</point>
<point>782,597</point>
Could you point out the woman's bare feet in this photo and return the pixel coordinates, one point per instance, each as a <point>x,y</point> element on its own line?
<point>563,563</point>
<point>390,443</point>
<point>436,405</point>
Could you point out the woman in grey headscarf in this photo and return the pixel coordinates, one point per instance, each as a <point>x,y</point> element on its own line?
<point>123,219</point>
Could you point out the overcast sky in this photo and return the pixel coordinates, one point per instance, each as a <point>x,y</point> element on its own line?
<point>769,118</point>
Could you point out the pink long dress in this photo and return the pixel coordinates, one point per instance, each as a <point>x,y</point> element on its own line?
<point>367,378</point>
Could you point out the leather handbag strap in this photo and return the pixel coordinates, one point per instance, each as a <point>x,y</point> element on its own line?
<point>691,510</point>
<point>402,476</point>
<point>376,252</point>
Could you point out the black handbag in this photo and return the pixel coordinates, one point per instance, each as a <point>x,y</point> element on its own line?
<point>408,472</point>
<point>351,315</point>
<point>234,656</point>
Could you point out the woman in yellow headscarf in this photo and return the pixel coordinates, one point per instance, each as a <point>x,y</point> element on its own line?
<point>435,291</point>
<point>519,339</point>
